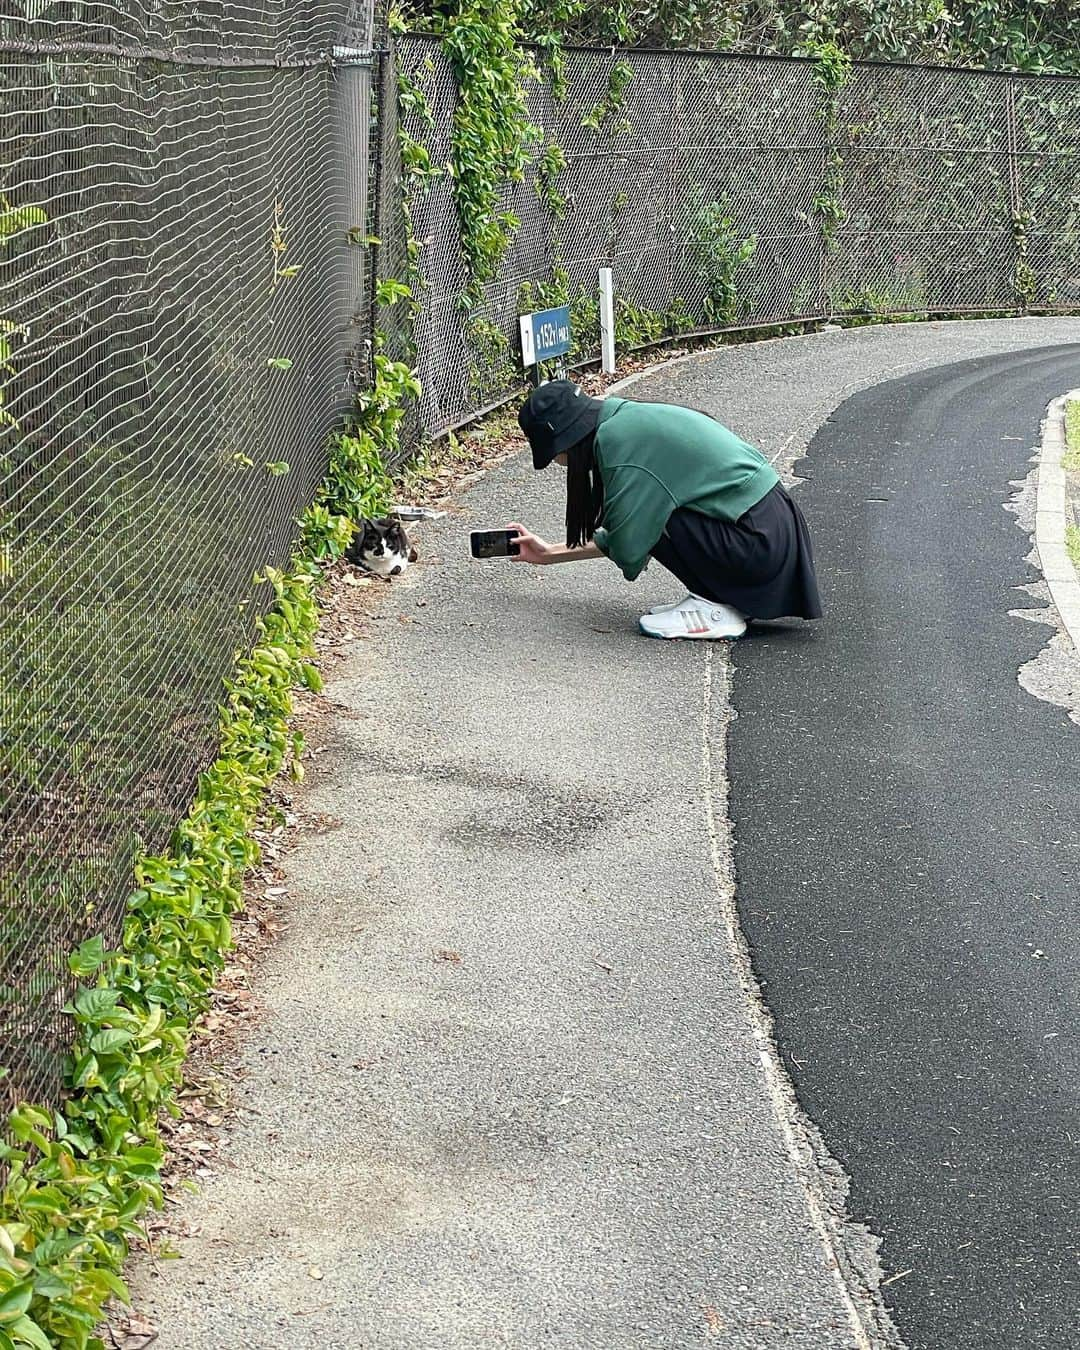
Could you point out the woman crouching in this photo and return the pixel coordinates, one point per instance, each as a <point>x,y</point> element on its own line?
<point>654,480</point>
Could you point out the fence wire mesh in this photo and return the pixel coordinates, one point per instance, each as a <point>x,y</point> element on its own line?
<point>181,318</point>
<point>179,312</point>
<point>706,182</point>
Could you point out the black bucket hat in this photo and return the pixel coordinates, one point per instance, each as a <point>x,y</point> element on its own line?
<point>555,417</point>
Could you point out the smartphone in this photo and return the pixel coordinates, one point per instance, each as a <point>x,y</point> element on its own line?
<point>494,543</point>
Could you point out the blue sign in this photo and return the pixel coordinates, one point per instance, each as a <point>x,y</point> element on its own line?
<point>545,336</point>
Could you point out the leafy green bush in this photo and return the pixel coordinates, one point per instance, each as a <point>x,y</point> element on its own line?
<point>859,305</point>
<point>77,1178</point>
<point>718,253</point>
<point>634,326</point>
<point>1009,34</point>
<point>358,482</point>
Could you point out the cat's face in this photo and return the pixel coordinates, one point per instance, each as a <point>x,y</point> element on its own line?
<point>382,546</point>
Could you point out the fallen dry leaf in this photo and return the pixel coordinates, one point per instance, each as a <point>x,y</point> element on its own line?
<point>454,958</point>
<point>133,1333</point>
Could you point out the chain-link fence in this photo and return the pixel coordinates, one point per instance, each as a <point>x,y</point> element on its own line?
<point>178,335</point>
<point>182,322</point>
<point>731,191</point>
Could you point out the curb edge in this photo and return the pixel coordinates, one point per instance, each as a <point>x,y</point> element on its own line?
<point>1050,518</point>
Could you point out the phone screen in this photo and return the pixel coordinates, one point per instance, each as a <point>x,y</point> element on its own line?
<point>494,543</point>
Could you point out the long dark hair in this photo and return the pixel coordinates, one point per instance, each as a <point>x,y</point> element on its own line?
<point>584,492</point>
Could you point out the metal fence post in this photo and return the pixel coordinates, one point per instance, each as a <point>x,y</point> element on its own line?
<point>672,171</point>
<point>382,94</point>
<point>352,95</point>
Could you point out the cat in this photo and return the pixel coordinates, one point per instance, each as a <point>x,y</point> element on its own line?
<point>382,547</point>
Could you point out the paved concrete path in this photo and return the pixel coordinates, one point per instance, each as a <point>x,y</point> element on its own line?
<point>574,1135</point>
<point>908,862</point>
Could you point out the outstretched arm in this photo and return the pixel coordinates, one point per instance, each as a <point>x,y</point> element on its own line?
<point>537,551</point>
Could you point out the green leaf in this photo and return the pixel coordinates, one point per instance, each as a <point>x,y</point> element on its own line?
<point>311,678</point>
<point>93,1005</point>
<point>40,1120</point>
<point>146,1154</point>
<point>389,292</point>
<point>84,1316</point>
<point>15,1301</point>
<point>46,1199</point>
<point>85,1068</point>
<point>114,1284</point>
<point>279,363</point>
<point>110,1040</point>
<point>87,957</point>
<point>51,1286</point>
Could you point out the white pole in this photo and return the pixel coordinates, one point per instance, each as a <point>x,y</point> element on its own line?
<point>528,350</point>
<point>607,321</point>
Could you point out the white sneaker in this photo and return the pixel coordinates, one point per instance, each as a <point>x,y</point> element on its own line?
<point>674,604</point>
<point>694,618</point>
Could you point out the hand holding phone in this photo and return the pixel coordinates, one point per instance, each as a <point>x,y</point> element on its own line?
<point>530,547</point>
<point>494,543</point>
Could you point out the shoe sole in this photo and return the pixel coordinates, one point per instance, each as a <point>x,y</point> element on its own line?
<point>689,637</point>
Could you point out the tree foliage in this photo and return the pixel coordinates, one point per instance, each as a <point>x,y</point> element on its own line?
<point>1026,35</point>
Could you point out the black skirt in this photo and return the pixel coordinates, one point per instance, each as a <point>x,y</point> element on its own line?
<point>762,564</point>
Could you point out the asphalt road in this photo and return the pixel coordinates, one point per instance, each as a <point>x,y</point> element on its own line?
<point>908,861</point>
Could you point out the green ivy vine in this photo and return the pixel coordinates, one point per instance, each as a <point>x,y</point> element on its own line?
<point>1025,281</point>
<point>491,136</point>
<point>551,164</point>
<point>719,251</point>
<point>417,174</point>
<point>603,115</point>
<point>831,72</point>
